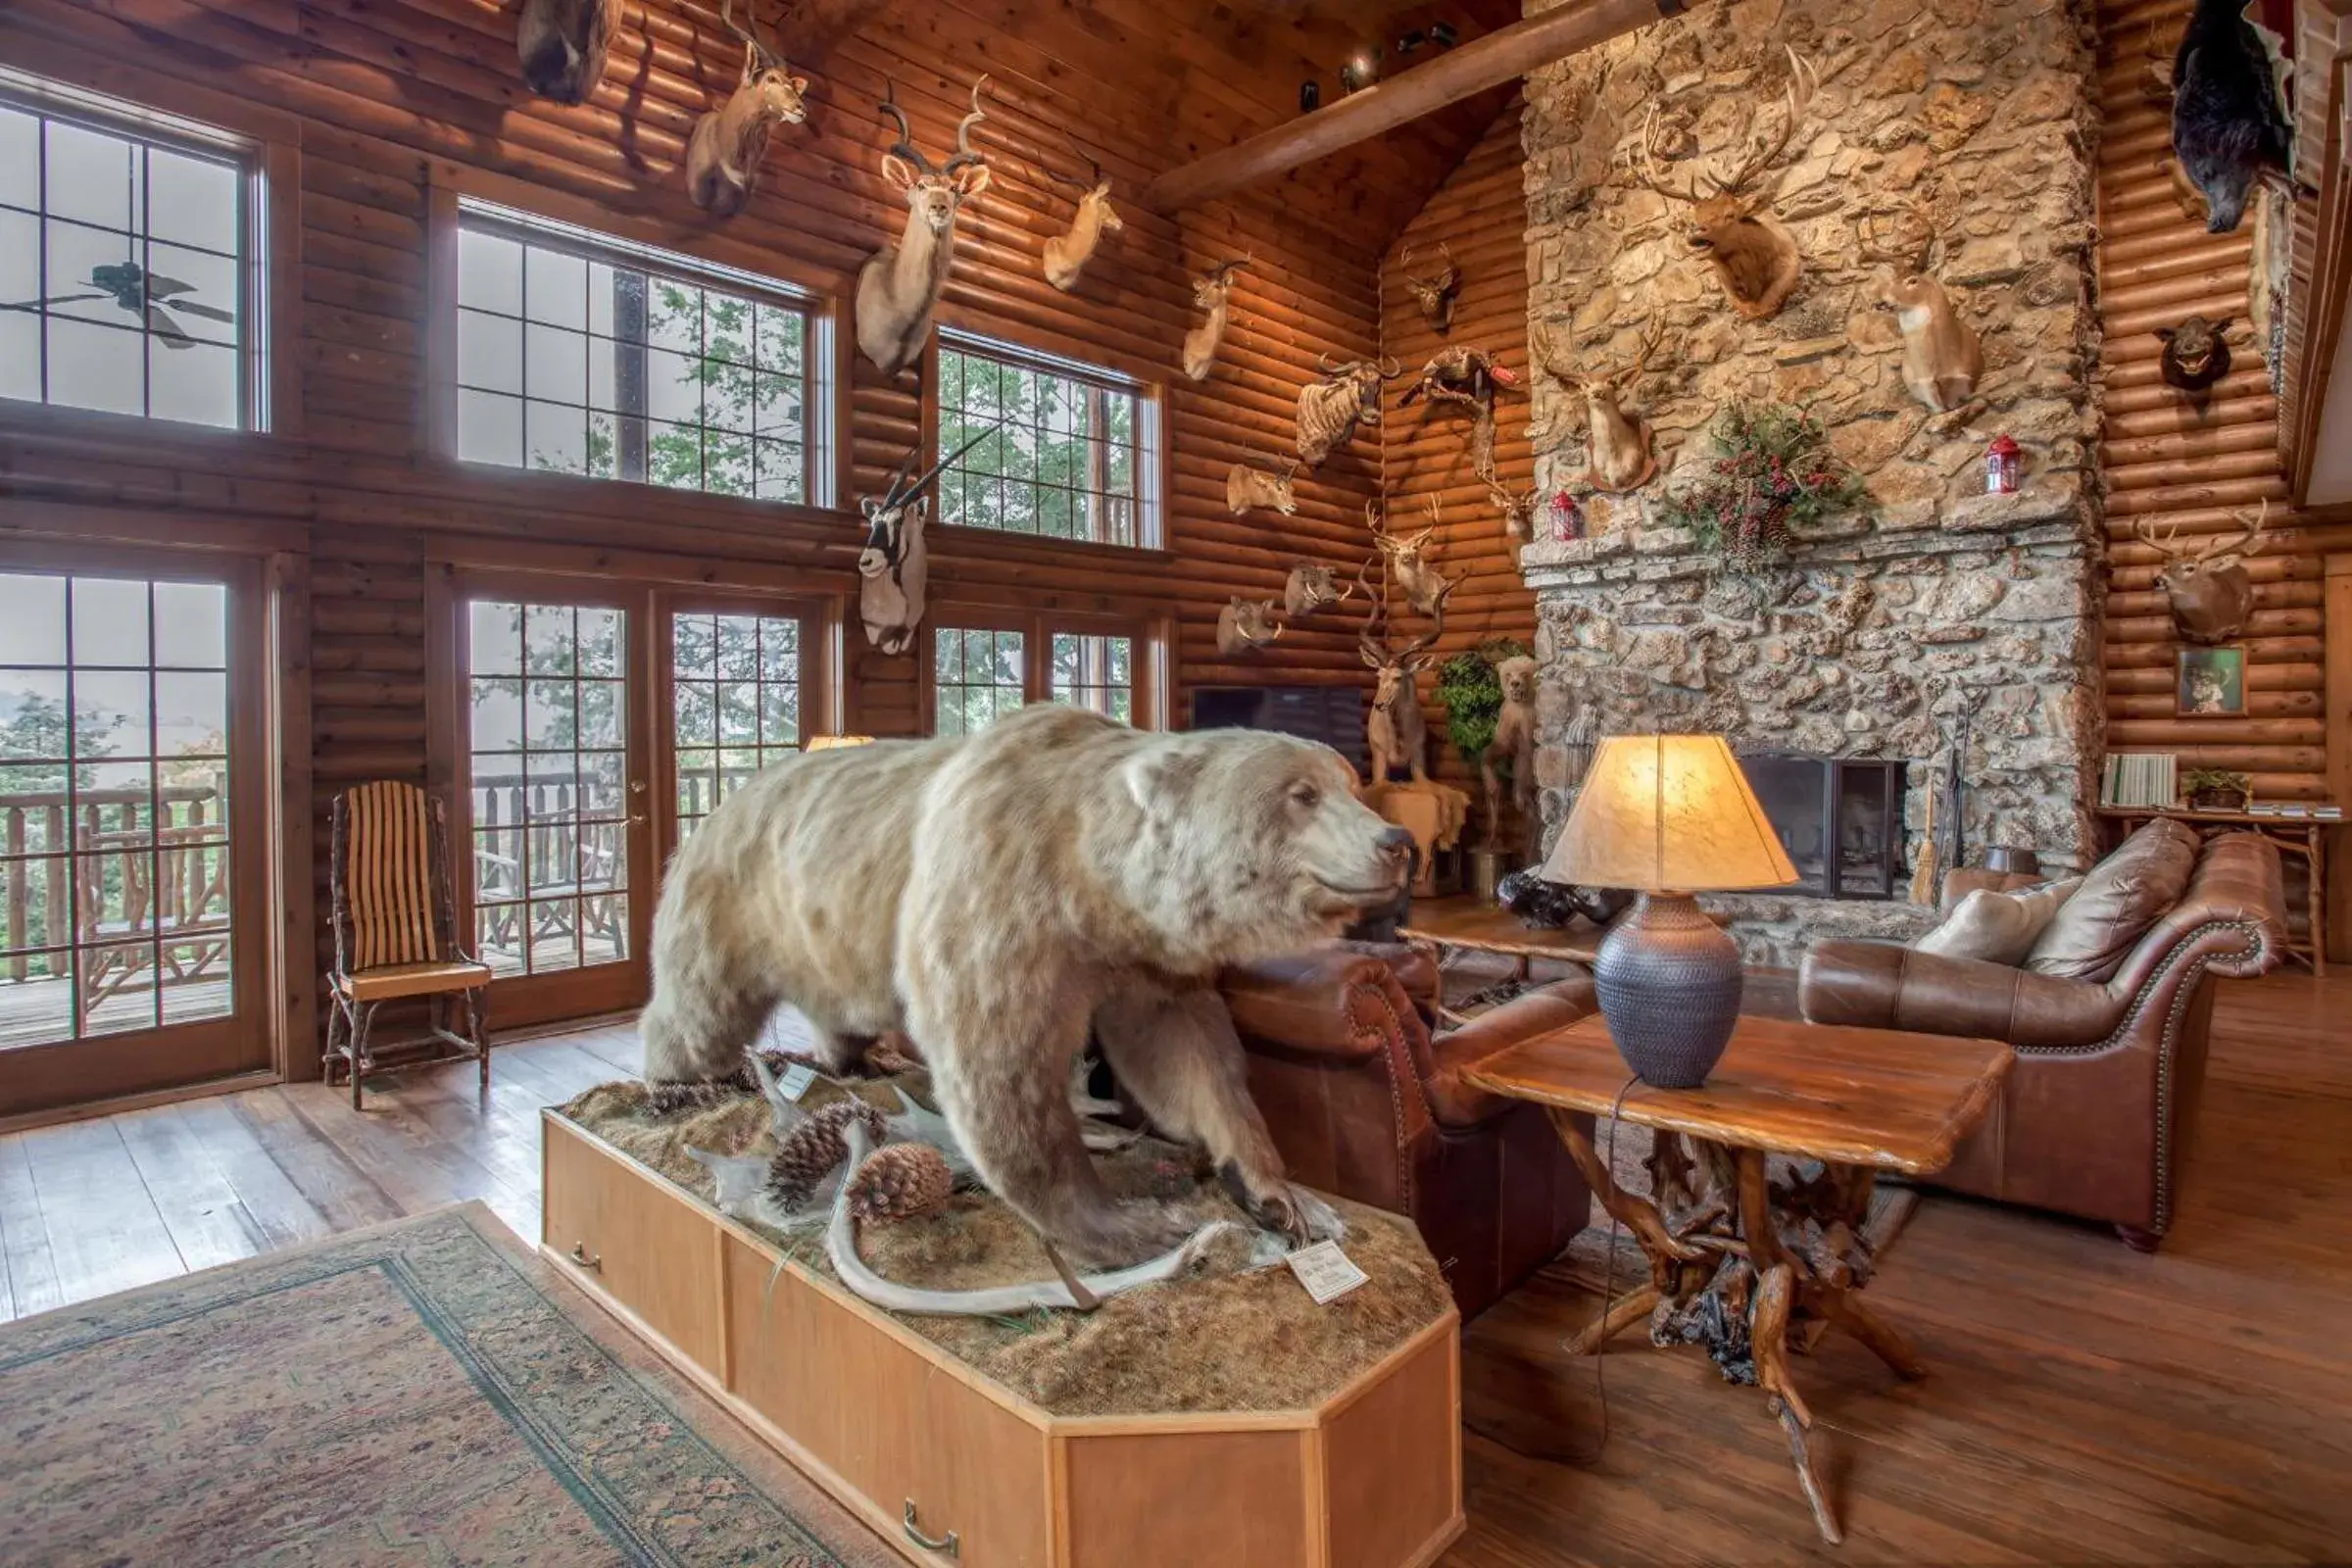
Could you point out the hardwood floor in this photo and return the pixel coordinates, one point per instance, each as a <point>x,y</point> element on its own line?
<point>2085,1405</point>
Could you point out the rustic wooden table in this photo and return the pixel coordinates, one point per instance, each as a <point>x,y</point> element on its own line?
<point>1480,925</point>
<point>1747,1266</point>
<point>2295,835</point>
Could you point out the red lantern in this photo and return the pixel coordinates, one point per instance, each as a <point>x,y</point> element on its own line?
<point>2000,466</point>
<point>1567,519</point>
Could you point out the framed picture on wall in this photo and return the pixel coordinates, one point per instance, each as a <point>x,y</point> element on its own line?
<point>2212,681</point>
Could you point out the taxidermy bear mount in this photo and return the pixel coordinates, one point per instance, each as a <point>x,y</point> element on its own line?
<point>2228,124</point>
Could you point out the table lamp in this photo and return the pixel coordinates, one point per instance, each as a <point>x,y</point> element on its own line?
<point>1668,815</point>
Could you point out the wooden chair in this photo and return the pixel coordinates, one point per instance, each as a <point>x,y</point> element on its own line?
<point>396,927</point>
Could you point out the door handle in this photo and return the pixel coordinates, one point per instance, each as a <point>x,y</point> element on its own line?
<point>950,1544</point>
<point>586,1259</point>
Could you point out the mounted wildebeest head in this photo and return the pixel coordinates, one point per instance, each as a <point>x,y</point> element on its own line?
<point>562,44</point>
<point>1344,396</point>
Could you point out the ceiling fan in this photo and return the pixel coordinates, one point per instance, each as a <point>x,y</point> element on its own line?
<point>142,293</point>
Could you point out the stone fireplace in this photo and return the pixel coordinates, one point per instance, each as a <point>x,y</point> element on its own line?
<point>1950,628</point>
<point>1839,818</point>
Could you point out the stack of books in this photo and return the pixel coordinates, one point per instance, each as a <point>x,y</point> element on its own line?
<point>2297,811</point>
<point>2140,778</point>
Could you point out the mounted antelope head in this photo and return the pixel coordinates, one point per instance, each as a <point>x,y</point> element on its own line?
<point>1617,442</point>
<point>2196,354</point>
<point>900,285</point>
<point>894,570</point>
<point>1397,730</point>
<point>562,44</point>
<point>2208,589</point>
<point>1067,253</point>
<point>1518,511</point>
<point>1331,408</point>
<point>1942,356</point>
<point>1434,292</point>
<point>722,160</point>
<point>1413,565</point>
<point>1245,625</point>
<point>1469,378</point>
<point>1313,589</point>
<point>1754,256</point>
<point>1210,291</point>
<point>1247,488</point>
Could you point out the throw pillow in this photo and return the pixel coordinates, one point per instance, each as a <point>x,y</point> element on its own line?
<point>2120,898</point>
<point>1997,927</point>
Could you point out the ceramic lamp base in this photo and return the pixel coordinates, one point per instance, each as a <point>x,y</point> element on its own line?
<point>1669,984</point>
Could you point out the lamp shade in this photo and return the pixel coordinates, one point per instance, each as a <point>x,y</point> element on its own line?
<point>1668,811</point>
<point>827,743</point>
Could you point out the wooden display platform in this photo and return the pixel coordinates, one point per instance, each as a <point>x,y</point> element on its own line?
<point>927,1451</point>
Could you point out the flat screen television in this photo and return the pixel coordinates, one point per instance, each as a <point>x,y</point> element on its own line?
<point>1332,714</point>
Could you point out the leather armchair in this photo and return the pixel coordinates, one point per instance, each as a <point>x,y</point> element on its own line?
<point>1364,1099</point>
<point>2093,1115</point>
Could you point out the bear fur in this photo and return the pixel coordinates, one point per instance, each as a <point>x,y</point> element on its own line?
<point>1000,897</point>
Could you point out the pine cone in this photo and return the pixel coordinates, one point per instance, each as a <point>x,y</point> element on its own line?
<point>900,1182</point>
<point>671,1098</point>
<point>814,1148</point>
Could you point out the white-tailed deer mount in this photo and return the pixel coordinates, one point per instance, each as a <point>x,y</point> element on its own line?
<point>1332,407</point>
<point>2208,589</point>
<point>1471,379</point>
<point>1068,251</point>
<point>1514,743</point>
<point>1397,730</point>
<point>1212,292</point>
<point>894,570</point>
<point>1245,625</point>
<point>1943,356</point>
<point>1618,452</point>
<point>564,43</point>
<point>722,160</point>
<point>1247,488</point>
<point>1413,563</point>
<point>1754,256</point>
<point>1518,511</point>
<point>1434,291</point>
<point>898,287</point>
<point>1310,590</point>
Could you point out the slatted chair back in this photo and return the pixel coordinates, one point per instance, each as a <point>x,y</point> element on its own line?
<point>390,889</point>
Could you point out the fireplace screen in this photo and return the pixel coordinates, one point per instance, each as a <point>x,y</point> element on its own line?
<point>1841,821</point>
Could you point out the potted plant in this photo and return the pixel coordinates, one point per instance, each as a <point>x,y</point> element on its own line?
<point>1773,468</point>
<point>1473,697</point>
<point>2217,789</point>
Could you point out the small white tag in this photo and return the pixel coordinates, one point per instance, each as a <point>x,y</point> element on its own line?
<point>796,1081</point>
<point>1327,1272</point>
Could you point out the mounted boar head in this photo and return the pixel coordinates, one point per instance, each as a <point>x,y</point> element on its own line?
<point>2196,354</point>
<point>1310,590</point>
<point>1247,488</point>
<point>1942,356</point>
<point>1753,255</point>
<point>2208,589</point>
<point>1396,731</point>
<point>564,43</point>
<point>722,160</point>
<point>2228,124</point>
<point>1245,625</point>
<point>1470,379</point>
<point>898,287</point>
<point>1330,407</point>
<point>1067,253</point>
<point>1434,292</point>
<point>1617,442</point>
<point>1210,291</point>
<point>894,570</point>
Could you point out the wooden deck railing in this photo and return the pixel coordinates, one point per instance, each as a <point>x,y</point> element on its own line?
<point>173,873</point>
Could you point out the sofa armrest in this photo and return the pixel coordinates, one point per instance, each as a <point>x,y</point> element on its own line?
<point>2233,913</point>
<point>1339,1003</point>
<point>1883,984</point>
<point>1443,1059</point>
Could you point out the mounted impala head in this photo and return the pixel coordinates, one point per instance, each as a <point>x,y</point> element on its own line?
<point>1210,292</point>
<point>722,160</point>
<point>1943,356</point>
<point>1067,253</point>
<point>1754,258</point>
<point>1344,396</point>
<point>2208,589</point>
<point>1617,440</point>
<point>564,43</point>
<point>894,569</point>
<point>1247,488</point>
<point>1434,292</point>
<point>898,287</point>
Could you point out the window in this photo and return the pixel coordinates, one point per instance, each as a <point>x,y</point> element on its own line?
<point>981,673</point>
<point>979,676</point>
<point>579,354</point>
<point>1095,672</point>
<point>735,692</point>
<point>1065,451</point>
<point>128,260</point>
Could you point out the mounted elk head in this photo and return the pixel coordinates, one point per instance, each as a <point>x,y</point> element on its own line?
<point>722,160</point>
<point>2196,354</point>
<point>1434,292</point>
<point>1413,565</point>
<point>1210,292</point>
<point>1310,590</point>
<point>894,570</point>
<point>1754,256</point>
<point>2208,589</point>
<point>1245,625</point>
<point>1067,253</point>
<point>564,43</point>
<point>1469,378</point>
<point>1942,356</point>
<point>1247,488</point>
<point>1397,730</point>
<point>898,287</point>
<point>1617,442</point>
<point>2228,124</point>
<point>1346,396</point>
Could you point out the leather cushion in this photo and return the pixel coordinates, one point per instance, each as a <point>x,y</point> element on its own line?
<point>1997,927</point>
<point>2120,898</point>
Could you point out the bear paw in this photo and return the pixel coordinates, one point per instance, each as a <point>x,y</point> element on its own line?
<point>1280,1206</point>
<point>1131,1232</point>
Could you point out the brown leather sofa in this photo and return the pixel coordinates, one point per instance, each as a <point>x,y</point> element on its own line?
<point>2093,1115</point>
<point>1365,1101</point>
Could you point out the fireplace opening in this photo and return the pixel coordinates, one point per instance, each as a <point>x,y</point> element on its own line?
<point>1839,818</point>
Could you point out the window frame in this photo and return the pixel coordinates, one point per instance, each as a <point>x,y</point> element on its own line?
<point>820,627</point>
<point>1148,640</point>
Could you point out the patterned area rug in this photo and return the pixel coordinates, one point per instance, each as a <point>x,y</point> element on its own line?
<point>422,1392</point>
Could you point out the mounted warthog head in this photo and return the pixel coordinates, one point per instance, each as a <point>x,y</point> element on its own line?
<point>1313,589</point>
<point>1434,292</point>
<point>1245,625</point>
<point>1343,397</point>
<point>562,44</point>
<point>898,287</point>
<point>722,160</point>
<point>2208,589</point>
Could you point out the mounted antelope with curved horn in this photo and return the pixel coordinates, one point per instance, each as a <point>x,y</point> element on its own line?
<point>1211,291</point>
<point>722,160</point>
<point>1434,292</point>
<point>562,44</point>
<point>1333,405</point>
<point>894,570</point>
<point>1617,442</point>
<point>1067,253</point>
<point>898,287</point>
<point>2208,589</point>
<point>1942,356</point>
<point>1754,254</point>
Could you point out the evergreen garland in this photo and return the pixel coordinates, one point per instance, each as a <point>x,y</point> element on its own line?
<point>1773,468</point>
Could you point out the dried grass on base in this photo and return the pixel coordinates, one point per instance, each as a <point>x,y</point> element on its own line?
<point>1222,1338</point>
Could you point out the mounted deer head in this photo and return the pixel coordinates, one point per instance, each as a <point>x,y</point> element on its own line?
<point>564,43</point>
<point>1247,488</point>
<point>1518,511</point>
<point>1210,292</point>
<point>2208,589</point>
<point>722,160</point>
<point>1753,255</point>
<point>2196,354</point>
<point>1331,408</point>
<point>1397,730</point>
<point>894,570</point>
<point>1434,292</point>
<point>1617,442</point>
<point>1469,378</point>
<point>1313,589</point>
<point>1067,253</point>
<point>1245,625</point>
<point>898,287</point>
<point>1413,565</point>
<point>1942,356</point>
